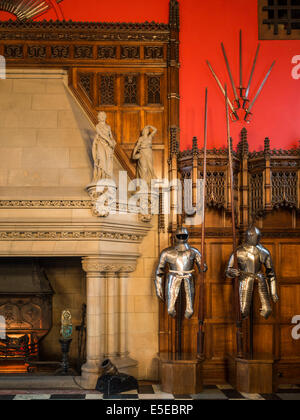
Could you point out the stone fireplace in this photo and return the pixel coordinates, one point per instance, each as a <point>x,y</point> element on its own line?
<point>26,311</point>
<point>46,213</point>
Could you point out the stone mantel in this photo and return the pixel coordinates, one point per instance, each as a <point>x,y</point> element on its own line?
<point>69,232</point>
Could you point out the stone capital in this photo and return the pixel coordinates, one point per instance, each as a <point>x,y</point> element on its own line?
<point>109,266</point>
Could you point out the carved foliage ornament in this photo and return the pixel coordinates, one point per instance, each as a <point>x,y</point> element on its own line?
<point>99,266</point>
<point>68,235</point>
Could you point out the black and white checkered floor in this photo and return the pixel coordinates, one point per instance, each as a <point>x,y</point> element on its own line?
<point>152,392</point>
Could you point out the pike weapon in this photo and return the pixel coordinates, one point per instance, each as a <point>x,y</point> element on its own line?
<point>234,116</point>
<point>200,335</point>
<point>239,341</point>
<point>241,88</point>
<point>250,78</point>
<point>237,101</point>
<point>248,110</point>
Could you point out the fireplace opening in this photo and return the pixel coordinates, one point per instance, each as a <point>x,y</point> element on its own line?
<point>25,310</point>
<point>33,293</point>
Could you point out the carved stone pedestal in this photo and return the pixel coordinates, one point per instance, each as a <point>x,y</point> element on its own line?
<point>182,376</point>
<point>254,376</point>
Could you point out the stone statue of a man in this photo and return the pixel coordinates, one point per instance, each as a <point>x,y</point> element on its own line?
<point>103,150</point>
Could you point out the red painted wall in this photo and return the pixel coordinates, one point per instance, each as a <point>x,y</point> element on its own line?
<point>203,26</point>
<point>277,111</point>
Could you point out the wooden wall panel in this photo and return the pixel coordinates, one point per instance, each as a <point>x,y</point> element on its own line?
<point>130,126</point>
<point>289,302</point>
<point>272,336</point>
<point>263,339</point>
<point>290,348</point>
<point>290,262</point>
<point>222,302</point>
<point>156,119</point>
<point>218,254</point>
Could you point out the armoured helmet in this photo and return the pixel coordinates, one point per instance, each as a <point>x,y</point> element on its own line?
<point>253,236</point>
<point>181,235</point>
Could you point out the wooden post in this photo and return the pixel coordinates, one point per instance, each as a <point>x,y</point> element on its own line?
<point>267,176</point>
<point>173,103</point>
<point>244,183</point>
<point>195,171</point>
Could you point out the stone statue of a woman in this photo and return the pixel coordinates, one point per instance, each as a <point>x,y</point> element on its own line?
<point>103,150</point>
<point>143,154</point>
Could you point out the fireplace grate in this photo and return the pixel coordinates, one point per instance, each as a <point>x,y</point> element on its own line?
<point>18,347</point>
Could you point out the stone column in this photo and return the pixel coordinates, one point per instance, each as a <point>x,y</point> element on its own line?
<point>106,317</point>
<point>95,319</point>
<point>126,364</point>
<point>117,330</point>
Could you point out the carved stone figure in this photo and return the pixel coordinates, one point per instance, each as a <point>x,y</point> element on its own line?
<point>180,260</point>
<point>103,150</point>
<point>251,257</point>
<point>143,154</point>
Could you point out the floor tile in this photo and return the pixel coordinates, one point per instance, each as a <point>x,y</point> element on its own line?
<point>6,397</point>
<point>182,397</point>
<point>289,396</point>
<point>22,397</point>
<point>67,397</point>
<point>121,397</point>
<point>232,394</point>
<point>146,389</point>
<point>271,397</point>
<point>132,392</point>
<point>210,394</point>
<point>252,396</point>
<point>94,397</point>
<point>288,391</point>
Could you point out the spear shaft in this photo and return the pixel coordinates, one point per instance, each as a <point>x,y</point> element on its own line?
<point>200,335</point>
<point>238,316</point>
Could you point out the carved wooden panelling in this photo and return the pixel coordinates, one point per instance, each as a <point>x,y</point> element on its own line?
<point>86,83</point>
<point>60,51</point>
<point>107,87</point>
<point>131,89</point>
<point>284,189</point>
<point>37,51</point>
<point>154,53</point>
<point>130,52</point>
<point>256,192</point>
<point>153,89</point>
<point>107,52</point>
<point>83,52</point>
<point>13,51</point>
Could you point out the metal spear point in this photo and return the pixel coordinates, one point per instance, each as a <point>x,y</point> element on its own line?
<point>234,116</point>
<point>237,101</point>
<point>248,110</point>
<point>250,78</point>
